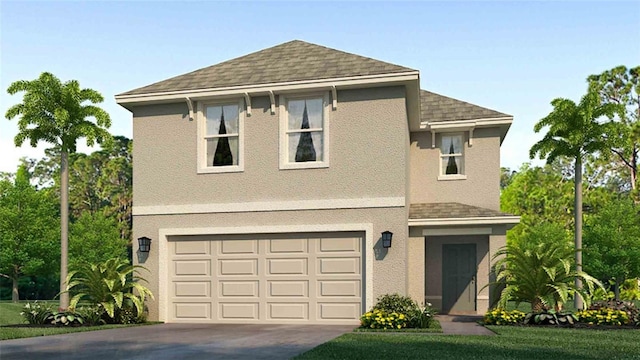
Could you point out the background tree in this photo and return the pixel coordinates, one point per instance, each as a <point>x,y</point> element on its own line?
<point>28,230</point>
<point>55,112</point>
<point>574,131</point>
<point>621,87</point>
<point>94,238</point>
<point>612,243</point>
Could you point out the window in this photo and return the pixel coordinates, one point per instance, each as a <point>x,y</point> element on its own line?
<point>220,147</point>
<point>304,132</point>
<point>452,157</point>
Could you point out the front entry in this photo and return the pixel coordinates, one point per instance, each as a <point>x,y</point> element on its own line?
<point>459,278</point>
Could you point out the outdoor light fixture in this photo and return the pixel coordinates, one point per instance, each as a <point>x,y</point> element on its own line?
<point>386,239</point>
<point>144,244</point>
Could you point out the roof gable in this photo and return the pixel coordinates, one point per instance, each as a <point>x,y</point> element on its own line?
<point>292,61</point>
<point>438,108</point>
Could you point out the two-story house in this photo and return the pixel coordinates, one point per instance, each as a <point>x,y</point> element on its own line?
<point>271,183</point>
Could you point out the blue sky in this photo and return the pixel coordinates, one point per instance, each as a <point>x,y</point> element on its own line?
<point>514,57</point>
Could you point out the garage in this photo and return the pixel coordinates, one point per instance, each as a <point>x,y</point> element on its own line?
<point>311,278</point>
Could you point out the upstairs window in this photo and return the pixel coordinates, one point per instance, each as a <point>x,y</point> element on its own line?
<point>304,132</point>
<point>221,137</point>
<point>452,156</point>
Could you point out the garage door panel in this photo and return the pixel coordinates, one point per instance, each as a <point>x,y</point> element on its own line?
<point>192,310</point>
<point>338,311</point>
<point>339,244</point>
<point>192,247</point>
<point>192,267</point>
<point>244,311</point>
<point>291,288</point>
<point>238,247</point>
<point>347,265</point>
<point>284,278</point>
<point>192,288</point>
<point>288,246</point>
<point>239,288</point>
<point>298,311</point>
<point>343,288</point>
<point>287,266</point>
<point>238,267</point>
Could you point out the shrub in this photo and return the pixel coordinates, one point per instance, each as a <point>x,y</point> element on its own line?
<point>92,315</point>
<point>626,306</point>
<point>66,318</point>
<point>380,319</point>
<point>109,285</point>
<point>416,316</point>
<point>603,316</point>
<point>550,317</point>
<point>503,317</point>
<point>36,313</point>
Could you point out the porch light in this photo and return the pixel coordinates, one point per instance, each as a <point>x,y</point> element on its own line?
<point>386,239</point>
<point>144,244</point>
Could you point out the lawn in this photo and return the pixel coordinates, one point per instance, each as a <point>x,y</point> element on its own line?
<point>10,315</point>
<point>510,343</point>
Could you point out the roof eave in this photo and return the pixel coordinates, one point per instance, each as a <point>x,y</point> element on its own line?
<point>264,89</point>
<point>484,220</point>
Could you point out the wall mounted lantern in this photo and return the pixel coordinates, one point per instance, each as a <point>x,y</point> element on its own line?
<point>386,239</point>
<point>144,244</point>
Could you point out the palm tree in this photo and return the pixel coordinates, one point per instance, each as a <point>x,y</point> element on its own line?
<point>574,131</point>
<point>53,112</point>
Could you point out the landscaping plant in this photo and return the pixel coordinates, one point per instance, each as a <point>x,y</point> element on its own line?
<point>380,319</point>
<point>603,316</point>
<point>539,274</point>
<point>550,317</point>
<point>416,316</point>
<point>36,313</point>
<point>503,317</point>
<point>109,285</point>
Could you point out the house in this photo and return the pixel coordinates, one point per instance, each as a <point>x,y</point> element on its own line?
<point>267,182</point>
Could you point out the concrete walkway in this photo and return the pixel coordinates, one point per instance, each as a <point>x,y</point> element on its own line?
<point>462,325</point>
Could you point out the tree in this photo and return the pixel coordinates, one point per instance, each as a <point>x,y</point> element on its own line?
<point>612,243</point>
<point>27,230</point>
<point>574,131</point>
<point>621,87</point>
<point>506,176</point>
<point>94,238</point>
<point>55,112</point>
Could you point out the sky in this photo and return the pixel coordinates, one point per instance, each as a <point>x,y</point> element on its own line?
<point>510,56</point>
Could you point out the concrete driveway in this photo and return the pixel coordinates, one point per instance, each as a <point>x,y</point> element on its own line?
<point>176,341</point>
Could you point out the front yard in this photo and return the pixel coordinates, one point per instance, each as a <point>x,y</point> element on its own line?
<point>10,316</point>
<point>510,343</point>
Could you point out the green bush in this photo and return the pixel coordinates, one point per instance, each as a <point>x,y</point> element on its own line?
<point>603,316</point>
<point>109,285</point>
<point>626,306</point>
<point>92,315</point>
<point>550,317</point>
<point>37,313</point>
<point>503,317</point>
<point>416,316</point>
<point>380,319</point>
<point>66,318</point>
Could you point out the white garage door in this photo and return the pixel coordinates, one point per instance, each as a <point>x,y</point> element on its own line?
<point>291,278</point>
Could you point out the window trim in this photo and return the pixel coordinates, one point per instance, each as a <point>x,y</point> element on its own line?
<point>284,131</point>
<point>441,156</point>
<point>202,142</point>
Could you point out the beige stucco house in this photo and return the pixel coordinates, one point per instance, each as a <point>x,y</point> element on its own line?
<point>265,183</point>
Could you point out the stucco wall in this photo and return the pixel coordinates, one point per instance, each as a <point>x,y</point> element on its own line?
<point>368,137</point>
<point>482,168</point>
<point>389,266</point>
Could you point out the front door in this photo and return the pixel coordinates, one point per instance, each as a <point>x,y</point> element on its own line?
<point>459,278</point>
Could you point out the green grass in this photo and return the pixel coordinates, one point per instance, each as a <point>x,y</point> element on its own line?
<point>434,327</point>
<point>10,315</point>
<point>510,343</point>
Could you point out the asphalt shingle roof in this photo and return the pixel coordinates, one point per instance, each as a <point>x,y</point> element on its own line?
<point>449,210</point>
<point>292,61</point>
<point>439,108</point>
